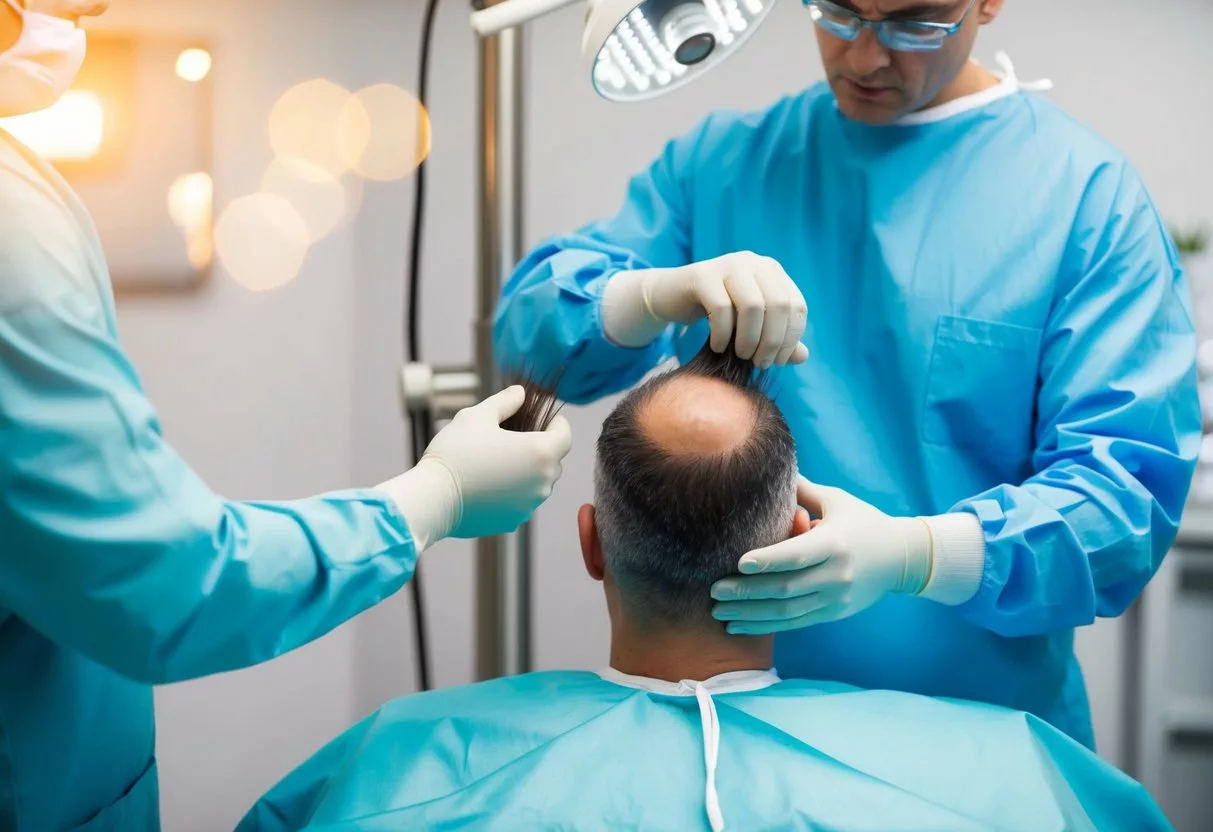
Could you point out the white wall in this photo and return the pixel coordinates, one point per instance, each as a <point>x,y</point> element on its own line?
<point>293,392</point>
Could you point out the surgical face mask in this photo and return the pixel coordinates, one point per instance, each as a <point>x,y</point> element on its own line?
<point>41,65</point>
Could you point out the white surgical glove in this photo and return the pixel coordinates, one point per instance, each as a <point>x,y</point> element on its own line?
<point>852,558</point>
<point>742,291</point>
<point>477,479</point>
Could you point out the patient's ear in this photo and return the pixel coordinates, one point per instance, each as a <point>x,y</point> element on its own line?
<point>801,522</point>
<point>591,547</point>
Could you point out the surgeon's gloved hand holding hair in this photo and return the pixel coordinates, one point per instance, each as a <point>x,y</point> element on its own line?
<point>742,292</point>
<point>477,479</point>
<point>851,559</point>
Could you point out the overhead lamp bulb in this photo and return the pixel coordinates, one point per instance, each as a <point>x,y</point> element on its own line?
<point>688,32</point>
<point>638,51</point>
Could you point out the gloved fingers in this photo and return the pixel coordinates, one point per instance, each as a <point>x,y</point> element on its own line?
<point>714,297</point>
<point>780,586</point>
<point>798,319</point>
<point>787,352</point>
<point>801,552</point>
<point>558,437</point>
<point>747,298</point>
<point>502,404</point>
<point>764,628</point>
<point>777,301</point>
<point>769,610</point>
<point>819,499</point>
<point>545,488</point>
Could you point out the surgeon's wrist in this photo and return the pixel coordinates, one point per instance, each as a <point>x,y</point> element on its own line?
<point>627,320</point>
<point>429,499</point>
<point>958,558</point>
<point>916,540</point>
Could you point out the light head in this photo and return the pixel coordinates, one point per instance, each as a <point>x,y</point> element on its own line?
<point>636,52</point>
<point>639,49</point>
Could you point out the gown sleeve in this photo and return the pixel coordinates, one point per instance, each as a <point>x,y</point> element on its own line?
<point>112,546</point>
<point>1118,429</point>
<point>549,318</point>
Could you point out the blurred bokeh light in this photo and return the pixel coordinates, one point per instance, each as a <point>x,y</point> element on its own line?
<point>191,201</point>
<point>321,198</point>
<point>304,125</point>
<point>193,65</point>
<point>261,240</point>
<point>383,132</point>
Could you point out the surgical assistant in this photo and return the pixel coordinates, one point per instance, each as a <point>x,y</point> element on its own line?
<point>998,412</point>
<point>119,568</point>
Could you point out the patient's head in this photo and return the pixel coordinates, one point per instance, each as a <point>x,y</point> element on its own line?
<point>694,468</point>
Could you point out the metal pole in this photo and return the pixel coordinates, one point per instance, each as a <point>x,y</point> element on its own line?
<point>502,598</point>
<point>1132,677</point>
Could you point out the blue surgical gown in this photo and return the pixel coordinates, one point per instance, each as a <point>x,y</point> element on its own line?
<point>119,568</point>
<point>998,324</point>
<point>567,750</point>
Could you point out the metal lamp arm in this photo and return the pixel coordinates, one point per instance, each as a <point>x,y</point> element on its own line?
<point>506,15</point>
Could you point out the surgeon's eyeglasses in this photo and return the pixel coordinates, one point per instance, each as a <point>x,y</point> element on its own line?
<point>899,35</point>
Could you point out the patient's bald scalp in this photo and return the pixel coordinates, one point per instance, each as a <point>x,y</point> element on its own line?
<point>695,467</point>
<point>698,416</point>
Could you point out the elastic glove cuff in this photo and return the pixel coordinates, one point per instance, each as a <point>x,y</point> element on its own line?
<point>627,320</point>
<point>429,499</point>
<point>958,558</point>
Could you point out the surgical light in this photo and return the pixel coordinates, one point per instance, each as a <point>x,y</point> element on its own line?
<point>636,51</point>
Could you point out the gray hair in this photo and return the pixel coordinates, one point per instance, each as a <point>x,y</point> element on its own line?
<point>672,524</point>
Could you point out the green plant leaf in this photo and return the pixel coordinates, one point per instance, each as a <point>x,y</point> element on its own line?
<point>1191,242</point>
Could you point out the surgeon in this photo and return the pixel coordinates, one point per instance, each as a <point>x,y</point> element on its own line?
<point>998,410</point>
<point>689,727</point>
<point>119,568</point>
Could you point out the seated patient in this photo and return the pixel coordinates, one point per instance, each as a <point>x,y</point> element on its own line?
<point>690,728</point>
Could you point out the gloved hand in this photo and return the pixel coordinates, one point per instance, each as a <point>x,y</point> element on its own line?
<point>478,480</point>
<point>744,291</point>
<point>852,558</point>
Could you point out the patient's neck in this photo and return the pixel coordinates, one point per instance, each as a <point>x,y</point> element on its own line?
<point>695,653</point>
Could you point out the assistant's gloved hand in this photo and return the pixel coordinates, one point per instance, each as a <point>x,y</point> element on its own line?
<point>744,291</point>
<point>854,557</point>
<point>478,480</point>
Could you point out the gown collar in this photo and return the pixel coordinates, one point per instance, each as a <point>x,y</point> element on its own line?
<point>739,681</point>
<point>1009,84</point>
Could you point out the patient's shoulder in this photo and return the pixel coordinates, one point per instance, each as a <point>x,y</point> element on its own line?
<point>501,698</point>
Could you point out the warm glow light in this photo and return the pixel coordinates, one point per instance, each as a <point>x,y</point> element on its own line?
<point>384,132</point>
<point>262,241</point>
<point>319,197</point>
<point>303,125</point>
<point>191,200</point>
<point>193,65</point>
<point>70,130</point>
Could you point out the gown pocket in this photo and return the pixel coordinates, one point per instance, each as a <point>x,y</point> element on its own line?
<point>981,387</point>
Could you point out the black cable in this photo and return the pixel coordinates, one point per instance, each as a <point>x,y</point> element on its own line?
<point>421,425</point>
